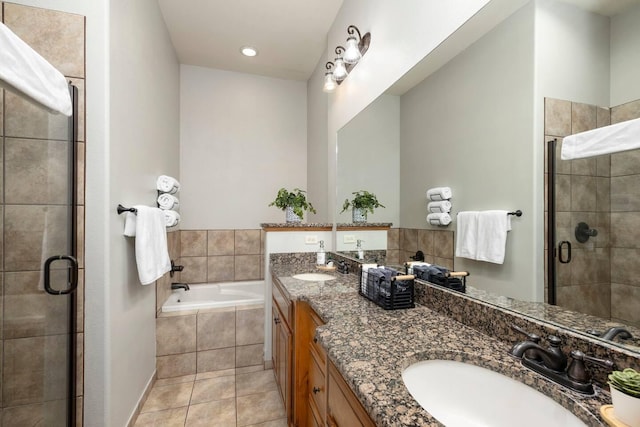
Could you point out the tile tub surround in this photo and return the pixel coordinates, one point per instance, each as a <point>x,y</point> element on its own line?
<point>371,346</point>
<point>197,341</point>
<point>437,245</point>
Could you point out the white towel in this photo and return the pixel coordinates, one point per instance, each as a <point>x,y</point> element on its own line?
<point>365,276</point>
<point>439,193</point>
<point>467,235</point>
<point>130,224</point>
<point>171,218</point>
<point>443,206</point>
<point>492,235</point>
<point>168,201</point>
<point>152,255</point>
<point>622,136</point>
<point>23,70</point>
<point>439,219</point>
<point>167,184</point>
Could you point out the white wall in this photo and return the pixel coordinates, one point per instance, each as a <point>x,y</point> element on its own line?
<point>144,131</point>
<point>468,126</point>
<point>625,61</point>
<point>242,138</point>
<point>369,159</point>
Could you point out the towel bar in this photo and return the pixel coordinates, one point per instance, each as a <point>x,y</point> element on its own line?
<point>516,213</point>
<point>122,209</point>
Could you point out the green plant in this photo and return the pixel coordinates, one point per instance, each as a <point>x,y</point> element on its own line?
<point>362,200</point>
<point>626,381</point>
<point>295,199</point>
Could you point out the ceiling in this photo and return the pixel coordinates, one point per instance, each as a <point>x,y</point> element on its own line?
<point>290,35</point>
<point>603,7</point>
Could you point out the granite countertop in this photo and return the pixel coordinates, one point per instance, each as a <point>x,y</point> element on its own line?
<point>371,347</point>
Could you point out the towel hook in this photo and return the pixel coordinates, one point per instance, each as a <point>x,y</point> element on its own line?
<point>121,209</point>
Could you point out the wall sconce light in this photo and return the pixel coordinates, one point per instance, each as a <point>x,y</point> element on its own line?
<point>347,58</point>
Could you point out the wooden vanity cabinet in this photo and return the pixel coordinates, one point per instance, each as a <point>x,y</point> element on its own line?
<point>343,407</point>
<point>282,350</point>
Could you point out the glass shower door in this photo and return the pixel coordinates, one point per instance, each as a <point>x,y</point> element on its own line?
<point>39,270</point>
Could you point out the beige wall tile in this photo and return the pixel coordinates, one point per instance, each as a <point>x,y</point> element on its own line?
<point>247,242</point>
<point>220,242</point>
<point>603,116</point>
<point>247,267</point>
<point>250,326</point>
<point>584,167</point>
<point>39,414</point>
<point>443,244</point>
<point>624,112</point>
<point>589,299</point>
<point>393,238</point>
<point>557,117</point>
<point>583,266</point>
<point>562,166</point>
<point>38,27</point>
<point>409,240</point>
<point>193,243</point>
<point>79,365</point>
<point>444,262</point>
<point>563,193</point>
<point>163,289</point>
<point>220,268</point>
<point>216,360</point>
<point>624,266</point>
<point>583,117</point>
<point>41,124</point>
<point>176,365</point>
<point>626,163</point>
<point>603,165</point>
<point>624,198</point>
<point>425,241</point>
<point>249,355</point>
<point>173,243</point>
<point>393,256</point>
<point>603,194</point>
<point>583,193</point>
<point>624,303</point>
<point>195,269</point>
<point>625,229</point>
<point>175,335</point>
<point>216,330</point>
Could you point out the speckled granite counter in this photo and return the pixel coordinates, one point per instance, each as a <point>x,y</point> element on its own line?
<point>371,347</point>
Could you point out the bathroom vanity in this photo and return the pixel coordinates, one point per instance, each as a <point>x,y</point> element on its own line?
<point>338,355</point>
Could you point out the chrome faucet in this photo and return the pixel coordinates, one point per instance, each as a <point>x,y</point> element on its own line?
<point>176,286</point>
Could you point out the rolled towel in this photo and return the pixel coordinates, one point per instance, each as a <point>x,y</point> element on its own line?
<point>439,193</point>
<point>439,219</point>
<point>443,206</point>
<point>167,184</point>
<point>168,201</point>
<point>172,218</point>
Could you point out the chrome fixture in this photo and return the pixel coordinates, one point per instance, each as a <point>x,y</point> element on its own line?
<point>551,362</point>
<point>176,286</point>
<point>346,58</point>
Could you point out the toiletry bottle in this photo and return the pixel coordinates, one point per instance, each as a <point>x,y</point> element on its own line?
<point>360,250</point>
<point>321,254</point>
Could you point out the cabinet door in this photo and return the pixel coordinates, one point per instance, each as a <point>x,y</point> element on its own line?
<point>343,407</point>
<point>282,341</point>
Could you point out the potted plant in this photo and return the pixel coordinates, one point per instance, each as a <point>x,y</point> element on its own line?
<point>294,203</point>
<point>362,203</point>
<point>625,394</point>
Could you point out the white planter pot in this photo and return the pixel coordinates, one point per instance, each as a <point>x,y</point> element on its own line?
<point>626,408</point>
<point>359,215</point>
<point>291,215</point>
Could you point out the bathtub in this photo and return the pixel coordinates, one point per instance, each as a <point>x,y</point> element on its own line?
<point>213,295</point>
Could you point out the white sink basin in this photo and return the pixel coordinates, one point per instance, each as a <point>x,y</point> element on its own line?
<point>314,277</point>
<point>463,395</point>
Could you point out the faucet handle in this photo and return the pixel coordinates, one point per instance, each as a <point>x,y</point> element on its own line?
<point>554,341</point>
<point>577,370</point>
<point>531,337</point>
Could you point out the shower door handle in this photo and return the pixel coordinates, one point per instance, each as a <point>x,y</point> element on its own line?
<point>73,274</point>
<point>563,244</point>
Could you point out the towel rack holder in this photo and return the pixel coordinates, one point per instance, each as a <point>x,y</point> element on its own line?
<point>121,209</point>
<point>517,213</point>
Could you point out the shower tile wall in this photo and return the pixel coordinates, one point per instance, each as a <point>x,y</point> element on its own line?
<point>437,245</point>
<point>603,277</point>
<point>27,341</point>
<point>625,225</point>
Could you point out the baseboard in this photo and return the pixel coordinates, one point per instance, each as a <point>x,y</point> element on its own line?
<point>142,400</point>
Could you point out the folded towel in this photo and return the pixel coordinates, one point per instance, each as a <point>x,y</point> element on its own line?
<point>439,193</point>
<point>167,184</point>
<point>622,136</point>
<point>130,219</point>
<point>492,235</point>
<point>152,255</point>
<point>467,234</point>
<point>365,275</point>
<point>171,218</point>
<point>439,219</point>
<point>411,264</point>
<point>443,206</point>
<point>168,201</point>
<point>23,70</point>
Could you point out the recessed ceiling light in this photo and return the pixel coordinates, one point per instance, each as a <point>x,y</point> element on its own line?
<point>249,51</point>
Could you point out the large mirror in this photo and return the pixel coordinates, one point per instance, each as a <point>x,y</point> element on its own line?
<point>477,124</point>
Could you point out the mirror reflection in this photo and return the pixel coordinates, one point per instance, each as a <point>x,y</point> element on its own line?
<point>479,124</point>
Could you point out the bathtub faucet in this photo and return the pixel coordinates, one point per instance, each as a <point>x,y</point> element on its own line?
<point>176,286</point>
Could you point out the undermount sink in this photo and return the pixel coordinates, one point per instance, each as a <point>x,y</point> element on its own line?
<point>463,395</point>
<point>314,277</point>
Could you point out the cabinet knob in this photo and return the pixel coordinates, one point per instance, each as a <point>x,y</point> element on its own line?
<point>276,320</point>
<point>315,339</point>
<point>316,390</point>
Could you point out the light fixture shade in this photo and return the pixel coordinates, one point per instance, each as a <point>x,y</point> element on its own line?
<point>340,70</point>
<point>329,83</point>
<point>352,52</point>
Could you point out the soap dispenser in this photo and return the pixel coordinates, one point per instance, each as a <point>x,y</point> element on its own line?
<point>359,248</point>
<point>321,255</point>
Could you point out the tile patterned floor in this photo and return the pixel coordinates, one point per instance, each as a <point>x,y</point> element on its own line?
<point>230,398</point>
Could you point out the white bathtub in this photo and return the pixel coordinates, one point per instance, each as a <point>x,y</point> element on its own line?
<point>212,295</point>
